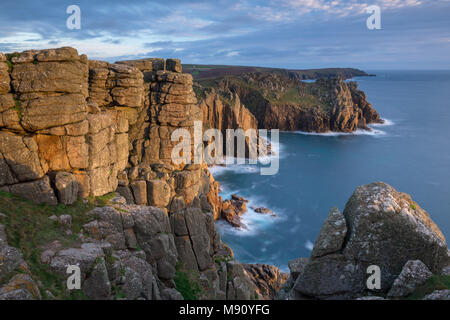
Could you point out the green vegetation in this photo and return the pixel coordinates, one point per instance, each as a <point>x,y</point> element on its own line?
<point>436,282</point>
<point>29,227</point>
<point>200,71</point>
<point>10,66</point>
<point>18,107</point>
<point>413,206</point>
<point>186,283</point>
<point>9,56</point>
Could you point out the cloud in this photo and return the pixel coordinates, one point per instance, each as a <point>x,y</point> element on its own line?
<point>284,33</point>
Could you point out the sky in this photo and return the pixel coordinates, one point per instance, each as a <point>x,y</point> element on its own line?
<point>298,34</point>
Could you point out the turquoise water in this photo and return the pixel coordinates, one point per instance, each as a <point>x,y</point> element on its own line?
<point>317,172</point>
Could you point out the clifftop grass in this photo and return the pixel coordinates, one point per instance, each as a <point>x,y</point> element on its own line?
<point>436,282</point>
<point>29,227</point>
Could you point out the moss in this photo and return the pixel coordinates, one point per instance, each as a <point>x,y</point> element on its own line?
<point>18,107</point>
<point>413,206</point>
<point>436,282</point>
<point>186,283</point>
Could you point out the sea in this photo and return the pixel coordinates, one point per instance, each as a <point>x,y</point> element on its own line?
<point>410,151</point>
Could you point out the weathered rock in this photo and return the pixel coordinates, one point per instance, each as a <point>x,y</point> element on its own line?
<point>20,287</point>
<point>297,267</point>
<point>239,285</point>
<point>267,279</point>
<point>171,294</point>
<point>371,298</point>
<point>66,187</point>
<point>413,274</point>
<point>159,193</point>
<point>38,191</point>
<point>11,259</point>
<point>331,236</point>
<point>438,295</point>
<point>85,257</point>
<point>20,160</point>
<point>139,188</point>
<point>388,228</point>
<point>385,228</point>
<point>97,285</point>
<point>107,226</point>
<point>173,65</point>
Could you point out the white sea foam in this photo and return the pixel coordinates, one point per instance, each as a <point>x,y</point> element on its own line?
<point>230,163</point>
<point>359,132</point>
<point>254,221</point>
<point>386,122</point>
<point>309,245</point>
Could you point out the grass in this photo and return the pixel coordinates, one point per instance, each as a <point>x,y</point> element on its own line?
<point>436,282</point>
<point>28,228</point>
<point>186,284</point>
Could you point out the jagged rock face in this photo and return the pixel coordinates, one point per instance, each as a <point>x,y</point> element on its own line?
<point>346,110</point>
<point>91,120</point>
<point>51,121</point>
<point>385,228</point>
<point>222,115</point>
<point>279,101</point>
<point>71,128</point>
<point>267,279</point>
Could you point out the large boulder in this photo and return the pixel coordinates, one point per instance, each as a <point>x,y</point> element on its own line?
<point>414,274</point>
<point>385,228</point>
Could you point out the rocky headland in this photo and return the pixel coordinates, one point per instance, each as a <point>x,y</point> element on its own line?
<point>86,179</point>
<point>280,100</point>
<point>74,130</point>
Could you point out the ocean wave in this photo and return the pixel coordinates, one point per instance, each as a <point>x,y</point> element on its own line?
<point>309,245</point>
<point>230,163</point>
<point>386,122</point>
<point>218,170</point>
<point>255,222</point>
<point>359,132</point>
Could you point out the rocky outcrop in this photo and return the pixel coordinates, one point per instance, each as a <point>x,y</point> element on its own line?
<point>267,278</point>
<point>379,226</point>
<point>73,128</point>
<point>279,101</point>
<point>414,274</point>
<point>72,125</point>
<point>16,282</point>
<point>224,110</point>
<point>231,210</point>
<point>52,122</point>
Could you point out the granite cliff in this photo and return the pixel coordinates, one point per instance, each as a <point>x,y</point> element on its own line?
<point>86,179</point>
<point>75,130</point>
<point>279,100</point>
